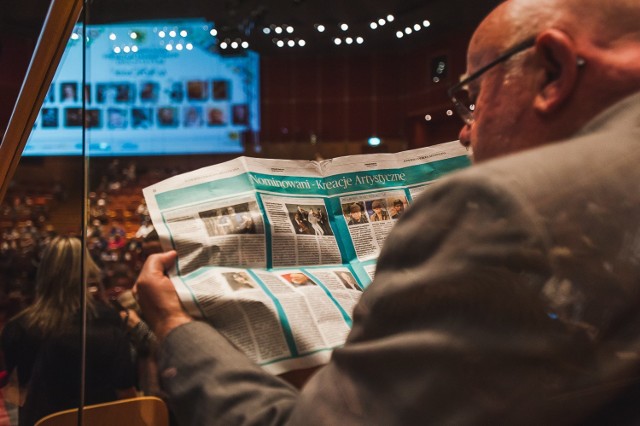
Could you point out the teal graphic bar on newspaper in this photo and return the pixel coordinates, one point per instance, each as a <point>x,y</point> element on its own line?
<point>300,185</point>
<point>203,191</point>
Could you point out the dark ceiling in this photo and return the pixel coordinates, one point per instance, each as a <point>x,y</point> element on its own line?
<point>246,19</point>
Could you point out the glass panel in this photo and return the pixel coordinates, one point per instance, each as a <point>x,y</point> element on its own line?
<point>167,87</point>
<point>41,223</point>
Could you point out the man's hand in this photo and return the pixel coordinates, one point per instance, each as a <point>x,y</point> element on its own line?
<point>157,296</point>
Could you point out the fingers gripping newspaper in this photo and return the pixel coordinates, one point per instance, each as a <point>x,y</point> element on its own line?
<point>275,253</point>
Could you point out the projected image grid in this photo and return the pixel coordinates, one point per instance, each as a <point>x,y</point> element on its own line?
<point>160,100</point>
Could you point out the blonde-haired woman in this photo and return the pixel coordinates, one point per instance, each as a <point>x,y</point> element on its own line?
<point>43,342</point>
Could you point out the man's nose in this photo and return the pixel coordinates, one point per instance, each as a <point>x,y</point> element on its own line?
<point>465,136</point>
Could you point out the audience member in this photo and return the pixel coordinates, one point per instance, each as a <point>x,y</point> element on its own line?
<point>467,321</point>
<point>43,343</point>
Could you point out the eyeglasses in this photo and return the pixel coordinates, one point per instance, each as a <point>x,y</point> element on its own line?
<point>459,93</point>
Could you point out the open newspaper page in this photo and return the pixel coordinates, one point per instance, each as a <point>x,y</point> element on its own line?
<point>275,253</point>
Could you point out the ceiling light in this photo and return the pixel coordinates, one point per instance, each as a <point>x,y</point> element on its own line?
<point>291,43</point>
<point>223,45</point>
<point>426,23</point>
<point>112,36</point>
<point>399,34</point>
<point>289,29</point>
<point>74,36</point>
<point>161,33</point>
<point>417,27</point>
<point>348,40</point>
<point>189,46</point>
<point>234,45</point>
<point>179,46</point>
<point>320,28</point>
<point>359,40</point>
<point>373,25</point>
<point>245,44</point>
<point>280,43</point>
<point>213,32</point>
<point>337,41</point>
<point>169,47</point>
<point>133,35</point>
<point>278,30</point>
<point>301,43</point>
<point>408,30</point>
<point>344,27</point>
<point>126,49</point>
<point>172,33</point>
<point>116,49</point>
<point>134,49</point>
<point>266,30</point>
<point>427,117</point>
<point>183,33</point>
<point>381,21</point>
<point>390,18</point>
<point>449,112</point>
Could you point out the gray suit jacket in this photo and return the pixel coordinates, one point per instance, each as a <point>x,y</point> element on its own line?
<point>507,294</point>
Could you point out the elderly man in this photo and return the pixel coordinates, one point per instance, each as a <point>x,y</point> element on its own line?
<point>509,293</point>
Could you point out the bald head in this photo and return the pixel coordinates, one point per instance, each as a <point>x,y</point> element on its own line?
<point>603,22</point>
<point>585,57</point>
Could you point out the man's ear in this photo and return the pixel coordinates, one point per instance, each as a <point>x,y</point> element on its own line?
<point>557,55</point>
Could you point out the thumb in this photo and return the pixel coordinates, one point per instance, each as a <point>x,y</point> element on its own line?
<point>158,263</point>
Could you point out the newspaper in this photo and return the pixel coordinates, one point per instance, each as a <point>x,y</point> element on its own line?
<point>275,253</point>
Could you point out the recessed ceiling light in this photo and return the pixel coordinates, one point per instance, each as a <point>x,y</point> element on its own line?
<point>417,27</point>
<point>426,23</point>
<point>399,34</point>
<point>381,21</point>
<point>266,30</point>
<point>172,33</point>
<point>223,45</point>
<point>320,28</point>
<point>408,30</point>
<point>112,36</point>
<point>344,27</point>
<point>133,35</point>
<point>348,40</point>
<point>280,43</point>
<point>373,25</point>
<point>213,32</point>
<point>245,44</point>
<point>359,40</point>
<point>337,41</point>
<point>390,18</point>
<point>183,33</point>
<point>291,43</point>
<point>289,29</point>
<point>301,43</point>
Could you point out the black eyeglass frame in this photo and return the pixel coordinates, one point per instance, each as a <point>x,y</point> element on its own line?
<point>463,111</point>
